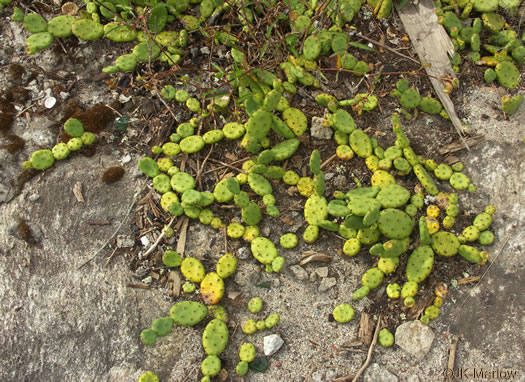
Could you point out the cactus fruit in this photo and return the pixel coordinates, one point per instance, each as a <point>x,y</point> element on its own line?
<point>149,376</point>
<point>361,293</point>
<point>212,288</point>
<point>393,290</point>
<point>459,181</point>
<point>192,269</point>
<point>171,259</point>
<point>215,337</point>
<point>188,287</point>
<point>372,278</point>
<point>263,250</point>
<point>445,243</point>
<point>508,75</point>
<point>247,352</point>
<point>148,336</point>
<point>242,368</point>
<point>162,326</point>
<point>360,143</point>
<point>385,338</point>
<point>42,159</point>
<point>409,289</point>
<point>226,265</point>
<point>343,313</point>
<point>272,320</point>
<point>395,224</point>
<point>420,263</point>
<point>188,313</point>
<point>393,196</point>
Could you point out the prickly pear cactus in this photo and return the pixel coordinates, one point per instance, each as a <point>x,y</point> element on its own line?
<point>212,288</point>
<point>226,265</point>
<point>211,365</point>
<point>188,313</point>
<point>215,337</point>
<point>420,263</point>
<point>343,313</point>
<point>445,243</point>
<point>192,269</point>
<point>247,352</point>
<point>395,224</point>
<point>263,250</point>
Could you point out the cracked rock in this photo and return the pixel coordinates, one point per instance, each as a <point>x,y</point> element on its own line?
<point>318,130</point>
<point>272,343</point>
<point>298,272</point>
<point>327,283</point>
<point>415,338</point>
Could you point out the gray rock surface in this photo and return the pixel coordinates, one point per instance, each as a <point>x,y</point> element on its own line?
<point>327,283</point>
<point>319,130</point>
<point>299,272</point>
<point>415,338</point>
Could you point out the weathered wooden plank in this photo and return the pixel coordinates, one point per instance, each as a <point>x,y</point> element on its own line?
<point>432,45</point>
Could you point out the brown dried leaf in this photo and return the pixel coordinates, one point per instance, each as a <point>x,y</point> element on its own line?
<point>356,342</point>
<point>231,156</point>
<point>288,220</point>
<point>468,280</point>
<point>77,191</point>
<point>310,256</point>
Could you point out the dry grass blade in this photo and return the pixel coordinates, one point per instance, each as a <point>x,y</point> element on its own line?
<point>310,256</point>
<point>469,280</point>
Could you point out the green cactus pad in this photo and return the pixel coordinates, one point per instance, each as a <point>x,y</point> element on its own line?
<point>182,182</point>
<point>385,338</point>
<point>263,250</point>
<point>395,224</point>
<point>42,159</point>
<point>443,171</point>
<point>251,214</point>
<point>469,253</point>
<point>259,124</point>
<point>188,313</point>
<point>338,208</point>
<point>211,365</point>
<point>486,238</point>
<point>60,151</point>
<point>372,278</point>
<point>482,221</point>
<point>38,41</point>
<point>315,209</point>
<point>192,269</point>
<point>250,327</point>
<point>88,30</point>
<point>410,99</point>
<point>255,304</point>
<point>61,26</point>
<point>191,144</point>
<point>393,196</point>
<point>430,105</point>
<point>74,144</point>
<point>409,289</point>
<point>149,376</point>
<point>235,230</point>
<point>471,233</point>
<point>445,243</point>
<point>343,313</point>
<point>288,240</point>
<point>508,75</point>
<point>459,181</point>
<point>247,352</point>
<point>148,336</point>
<point>233,130</point>
<point>311,47</point>
<point>296,120</point>
<point>361,293</point>
<point>226,265</point>
<point>242,368</point>
<point>118,33</point>
<point>259,184</point>
<point>343,121</point>
<point>212,288</point>
<point>272,320</point>
<point>510,105</point>
<point>171,259</point>
<point>420,263</point>
<point>34,23</point>
<point>285,149</point>
<point>161,183</point>
<point>311,233</point>
<point>485,5</point>
<point>126,62</point>
<point>360,143</point>
<point>388,265</point>
<point>393,290</point>
<point>162,326</point>
<point>215,337</point>
<point>425,180</point>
